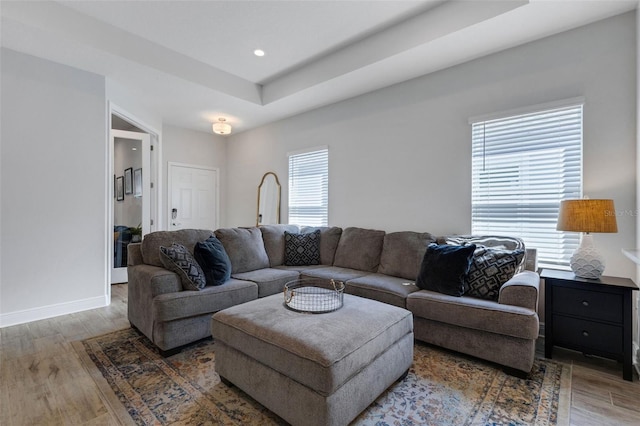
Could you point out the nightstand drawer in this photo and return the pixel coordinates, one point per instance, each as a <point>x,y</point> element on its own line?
<point>588,304</point>
<point>584,335</point>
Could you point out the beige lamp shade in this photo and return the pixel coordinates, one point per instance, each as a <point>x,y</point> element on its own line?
<point>586,215</point>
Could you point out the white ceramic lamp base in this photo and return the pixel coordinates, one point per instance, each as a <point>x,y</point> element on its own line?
<point>587,262</point>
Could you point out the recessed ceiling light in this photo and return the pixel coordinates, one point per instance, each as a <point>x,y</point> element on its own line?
<point>258,52</point>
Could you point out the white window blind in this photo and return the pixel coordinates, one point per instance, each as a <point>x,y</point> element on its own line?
<point>309,188</point>
<point>523,166</point>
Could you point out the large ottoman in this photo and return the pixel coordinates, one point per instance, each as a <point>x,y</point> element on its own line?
<point>311,369</point>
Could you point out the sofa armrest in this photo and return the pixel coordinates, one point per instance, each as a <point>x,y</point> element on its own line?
<point>134,254</point>
<point>145,283</point>
<point>153,280</point>
<point>531,260</point>
<point>521,290</point>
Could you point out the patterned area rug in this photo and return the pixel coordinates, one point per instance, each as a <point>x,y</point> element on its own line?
<point>442,388</point>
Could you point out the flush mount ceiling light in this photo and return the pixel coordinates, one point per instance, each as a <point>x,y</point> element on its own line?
<point>221,127</point>
<point>258,52</point>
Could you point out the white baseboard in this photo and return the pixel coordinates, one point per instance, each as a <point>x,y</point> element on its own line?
<point>50,311</point>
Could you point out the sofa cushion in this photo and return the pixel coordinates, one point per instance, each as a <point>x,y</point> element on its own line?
<point>402,253</point>
<point>214,261</point>
<point>178,259</point>
<point>476,314</point>
<point>269,280</point>
<point>359,249</point>
<point>329,238</point>
<point>302,249</point>
<point>153,241</point>
<point>273,238</point>
<point>383,288</point>
<point>332,272</point>
<point>244,247</point>
<point>300,268</point>
<point>185,304</point>
<point>444,268</point>
<point>490,269</point>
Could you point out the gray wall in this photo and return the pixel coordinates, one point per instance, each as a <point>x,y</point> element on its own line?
<point>127,212</point>
<point>53,189</point>
<point>195,148</point>
<point>400,157</point>
<point>54,183</point>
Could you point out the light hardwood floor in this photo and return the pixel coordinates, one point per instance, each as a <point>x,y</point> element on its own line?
<point>43,382</point>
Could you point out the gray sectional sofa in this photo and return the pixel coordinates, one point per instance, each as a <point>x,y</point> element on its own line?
<point>373,264</point>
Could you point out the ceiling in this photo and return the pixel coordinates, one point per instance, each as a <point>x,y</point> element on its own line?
<point>190,62</point>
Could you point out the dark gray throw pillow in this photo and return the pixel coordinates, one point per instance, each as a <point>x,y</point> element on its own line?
<point>445,267</point>
<point>178,259</point>
<point>302,249</point>
<point>214,261</point>
<point>490,269</point>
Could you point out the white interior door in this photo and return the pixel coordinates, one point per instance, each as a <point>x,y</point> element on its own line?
<point>193,197</point>
<point>131,202</point>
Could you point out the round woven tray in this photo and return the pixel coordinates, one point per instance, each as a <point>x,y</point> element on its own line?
<point>313,295</point>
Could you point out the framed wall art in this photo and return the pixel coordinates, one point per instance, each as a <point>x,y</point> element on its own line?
<point>137,183</point>
<point>128,181</point>
<point>120,188</point>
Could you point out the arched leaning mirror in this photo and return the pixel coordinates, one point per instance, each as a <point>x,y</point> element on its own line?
<point>269,200</point>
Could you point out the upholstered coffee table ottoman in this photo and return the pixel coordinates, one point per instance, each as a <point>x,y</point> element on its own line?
<point>313,369</point>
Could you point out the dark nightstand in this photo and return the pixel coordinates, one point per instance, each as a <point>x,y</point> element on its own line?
<point>590,316</point>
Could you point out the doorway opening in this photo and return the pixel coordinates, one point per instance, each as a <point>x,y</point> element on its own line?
<point>133,195</point>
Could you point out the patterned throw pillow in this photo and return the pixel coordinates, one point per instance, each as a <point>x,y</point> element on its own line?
<point>178,259</point>
<point>302,249</point>
<point>490,269</point>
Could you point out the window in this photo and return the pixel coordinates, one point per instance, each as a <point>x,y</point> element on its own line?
<point>523,166</point>
<point>309,187</point>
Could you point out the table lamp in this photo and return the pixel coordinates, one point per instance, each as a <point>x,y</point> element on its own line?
<point>587,216</point>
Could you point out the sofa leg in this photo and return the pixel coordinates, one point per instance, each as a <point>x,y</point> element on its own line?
<point>169,352</point>
<point>516,373</point>
<point>226,382</point>
<point>404,375</point>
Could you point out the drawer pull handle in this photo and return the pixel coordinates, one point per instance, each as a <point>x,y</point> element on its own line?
<point>585,303</point>
<point>585,333</point>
